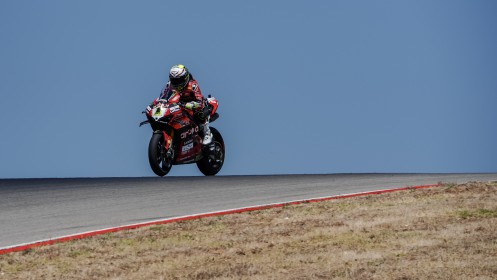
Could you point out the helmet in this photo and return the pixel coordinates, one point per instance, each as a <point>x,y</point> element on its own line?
<point>179,76</point>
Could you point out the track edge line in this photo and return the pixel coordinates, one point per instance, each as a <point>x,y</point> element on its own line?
<point>77,236</point>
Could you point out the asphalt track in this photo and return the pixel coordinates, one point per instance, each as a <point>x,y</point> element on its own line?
<point>40,209</point>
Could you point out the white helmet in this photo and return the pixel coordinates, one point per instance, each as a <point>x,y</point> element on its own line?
<point>179,76</point>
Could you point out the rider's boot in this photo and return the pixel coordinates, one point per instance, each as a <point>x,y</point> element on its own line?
<point>207,134</point>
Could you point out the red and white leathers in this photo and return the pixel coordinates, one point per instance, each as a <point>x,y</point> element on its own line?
<point>193,99</point>
<point>191,93</point>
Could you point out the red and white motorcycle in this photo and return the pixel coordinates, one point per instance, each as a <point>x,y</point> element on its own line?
<point>176,138</point>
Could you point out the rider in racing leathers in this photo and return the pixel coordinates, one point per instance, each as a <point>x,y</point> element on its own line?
<point>182,82</point>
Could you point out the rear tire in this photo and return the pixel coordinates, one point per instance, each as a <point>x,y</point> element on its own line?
<point>157,158</point>
<point>212,161</point>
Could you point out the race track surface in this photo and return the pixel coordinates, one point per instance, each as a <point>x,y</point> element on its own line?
<point>38,209</point>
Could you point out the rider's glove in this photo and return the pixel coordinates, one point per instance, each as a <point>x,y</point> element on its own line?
<point>192,105</point>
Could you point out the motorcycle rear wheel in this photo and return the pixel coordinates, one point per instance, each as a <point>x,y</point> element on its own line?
<point>157,155</point>
<point>213,160</point>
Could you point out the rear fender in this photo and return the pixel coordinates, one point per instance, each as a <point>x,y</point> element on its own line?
<point>214,104</point>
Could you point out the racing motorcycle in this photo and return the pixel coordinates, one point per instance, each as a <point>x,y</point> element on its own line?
<point>176,137</point>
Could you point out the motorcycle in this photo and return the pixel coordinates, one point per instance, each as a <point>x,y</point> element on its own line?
<point>176,137</point>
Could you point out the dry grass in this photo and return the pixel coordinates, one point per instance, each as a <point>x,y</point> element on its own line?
<point>448,232</point>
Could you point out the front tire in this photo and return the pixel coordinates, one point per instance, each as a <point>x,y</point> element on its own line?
<point>213,159</point>
<point>157,155</point>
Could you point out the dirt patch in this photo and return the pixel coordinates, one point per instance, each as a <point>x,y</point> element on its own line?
<point>448,232</point>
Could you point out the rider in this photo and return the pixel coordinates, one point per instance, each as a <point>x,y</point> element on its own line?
<point>181,82</point>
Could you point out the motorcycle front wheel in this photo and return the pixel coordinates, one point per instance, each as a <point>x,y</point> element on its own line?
<point>157,155</point>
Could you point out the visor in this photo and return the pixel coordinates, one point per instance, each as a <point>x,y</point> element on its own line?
<point>177,81</point>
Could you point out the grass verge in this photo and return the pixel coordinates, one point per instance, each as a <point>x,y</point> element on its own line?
<point>448,232</point>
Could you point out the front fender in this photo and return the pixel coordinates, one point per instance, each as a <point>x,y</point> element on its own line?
<point>168,139</point>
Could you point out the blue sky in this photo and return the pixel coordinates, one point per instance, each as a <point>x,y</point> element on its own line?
<point>304,86</point>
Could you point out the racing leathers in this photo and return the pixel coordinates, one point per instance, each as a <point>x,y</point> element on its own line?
<point>192,98</point>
